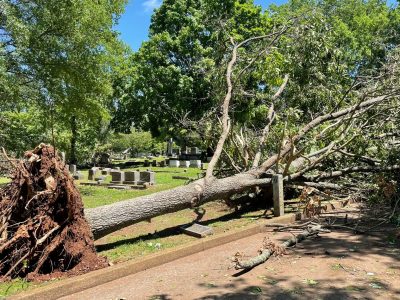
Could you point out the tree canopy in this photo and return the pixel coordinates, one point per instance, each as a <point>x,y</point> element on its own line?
<point>57,59</point>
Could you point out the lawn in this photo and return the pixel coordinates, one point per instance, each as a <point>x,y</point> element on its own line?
<point>94,196</point>
<point>163,232</point>
<point>4,180</point>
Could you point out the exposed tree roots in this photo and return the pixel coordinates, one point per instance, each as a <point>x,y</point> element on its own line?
<point>42,226</point>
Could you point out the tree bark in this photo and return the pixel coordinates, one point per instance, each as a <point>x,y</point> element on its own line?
<point>74,134</point>
<point>109,218</point>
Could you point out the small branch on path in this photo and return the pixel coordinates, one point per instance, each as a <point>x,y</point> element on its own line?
<point>266,253</point>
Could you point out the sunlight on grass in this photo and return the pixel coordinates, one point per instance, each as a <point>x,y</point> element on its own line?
<point>94,196</point>
<point>14,286</point>
<point>4,180</point>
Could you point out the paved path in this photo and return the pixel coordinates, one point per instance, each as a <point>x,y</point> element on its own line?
<point>337,265</point>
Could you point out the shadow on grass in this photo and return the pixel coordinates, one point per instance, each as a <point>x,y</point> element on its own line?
<point>175,230</point>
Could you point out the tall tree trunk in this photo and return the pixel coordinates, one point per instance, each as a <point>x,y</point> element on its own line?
<point>74,132</point>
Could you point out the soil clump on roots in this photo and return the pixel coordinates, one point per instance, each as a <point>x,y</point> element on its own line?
<point>43,231</point>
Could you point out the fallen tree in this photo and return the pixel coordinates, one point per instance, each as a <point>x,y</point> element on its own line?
<point>42,222</point>
<point>108,218</point>
<point>331,134</point>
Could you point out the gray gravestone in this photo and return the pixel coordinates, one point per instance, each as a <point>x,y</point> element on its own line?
<point>184,164</point>
<point>197,230</point>
<point>78,175</point>
<point>93,173</point>
<point>194,150</point>
<point>195,164</point>
<point>106,171</point>
<point>277,187</point>
<point>132,177</point>
<point>72,169</point>
<point>101,177</point>
<point>117,177</point>
<point>169,147</point>
<point>146,163</point>
<point>174,163</point>
<point>147,177</point>
<point>162,163</point>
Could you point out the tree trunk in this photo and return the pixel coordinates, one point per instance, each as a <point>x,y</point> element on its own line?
<point>109,218</point>
<point>74,133</point>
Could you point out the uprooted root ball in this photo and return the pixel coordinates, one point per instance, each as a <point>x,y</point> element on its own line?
<point>42,225</point>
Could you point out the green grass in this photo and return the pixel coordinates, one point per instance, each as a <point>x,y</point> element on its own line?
<point>14,286</point>
<point>4,180</point>
<point>94,196</point>
<point>141,239</point>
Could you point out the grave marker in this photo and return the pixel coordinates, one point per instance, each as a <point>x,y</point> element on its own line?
<point>117,177</point>
<point>132,177</point>
<point>174,163</point>
<point>72,169</point>
<point>184,163</point>
<point>147,177</point>
<point>197,230</point>
<point>195,164</point>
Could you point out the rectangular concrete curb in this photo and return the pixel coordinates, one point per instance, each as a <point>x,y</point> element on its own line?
<point>79,283</point>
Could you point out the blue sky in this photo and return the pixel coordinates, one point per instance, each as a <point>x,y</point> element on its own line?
<point>134,23</point>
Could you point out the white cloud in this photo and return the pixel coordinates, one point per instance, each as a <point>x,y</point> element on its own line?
<point>150,5</point>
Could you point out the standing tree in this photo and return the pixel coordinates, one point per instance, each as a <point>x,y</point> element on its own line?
<point>59,56</point>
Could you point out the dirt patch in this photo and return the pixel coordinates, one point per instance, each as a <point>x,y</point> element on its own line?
<point>44,233</point>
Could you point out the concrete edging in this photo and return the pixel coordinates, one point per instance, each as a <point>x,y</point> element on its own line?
<point>79,283</point>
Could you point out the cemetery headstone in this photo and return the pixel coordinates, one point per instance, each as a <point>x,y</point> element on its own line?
<point>194,150</point>
<point>197,230</point>
<point>169,147</point>
<point>106,171</point>
<point>184,164</point>
<point>101,177</point>
<point>146,163</point>
<point>93,173</point>
<point>117,177</point>
<point>195,164</point>
<point>131,177</point>
<point>148,177</point>
<point>174,163</point>
<point>78,175</point>
<point>72,169</point>
<point>154,163</point>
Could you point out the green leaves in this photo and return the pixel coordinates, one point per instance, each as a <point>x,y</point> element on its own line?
<point>59,57</point>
